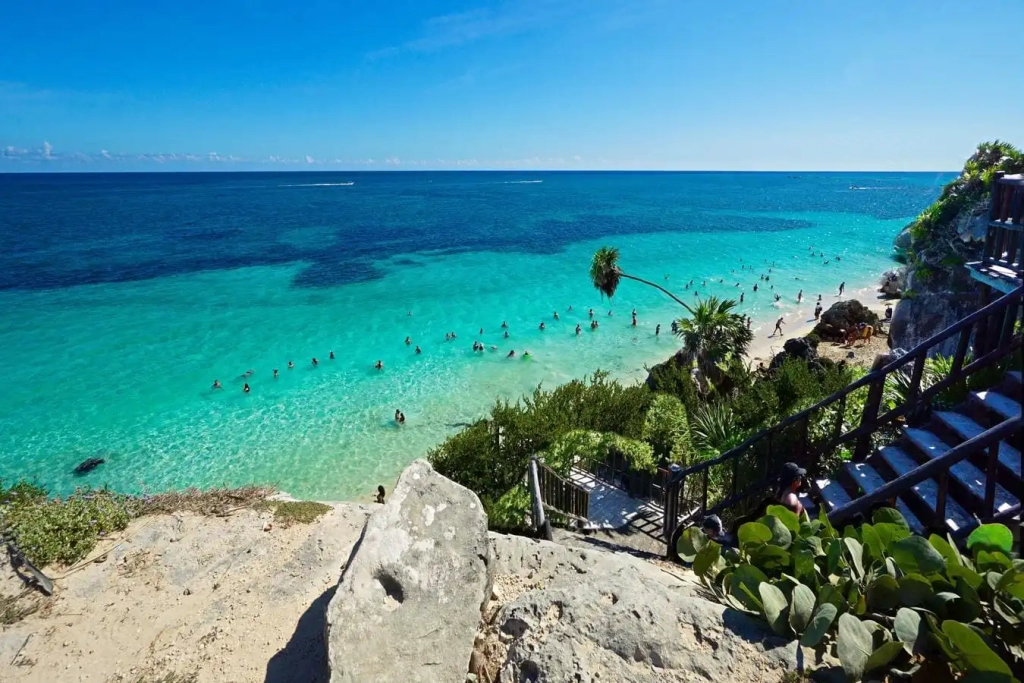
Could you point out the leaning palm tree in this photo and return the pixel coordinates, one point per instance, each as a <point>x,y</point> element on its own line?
<point>712,335</point>
<point>606,274</point>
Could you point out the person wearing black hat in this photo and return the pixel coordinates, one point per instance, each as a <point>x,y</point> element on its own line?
<point>712,528</point>
<point>790,480</point>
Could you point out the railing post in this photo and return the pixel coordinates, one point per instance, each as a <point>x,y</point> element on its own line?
<point>961,351</point>
<point>915,383</point>
<point>990,479</point>
<point>981,326</point>
<point>540,524</point>
<point>673,484</point>
<point>995,205</point>
<point>869,419</point>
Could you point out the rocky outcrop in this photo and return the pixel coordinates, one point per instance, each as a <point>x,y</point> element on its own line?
<point>408,604</point>
<point>842,316</point>
<point>580,615</point>
<point>799,348</point>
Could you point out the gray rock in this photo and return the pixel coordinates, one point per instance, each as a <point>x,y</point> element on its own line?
<point>408,604</point>
<point>596,616</point>
<point>903,243</point>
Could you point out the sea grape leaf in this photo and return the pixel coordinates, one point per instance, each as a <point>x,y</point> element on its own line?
<point>910,630</point>
<point>803,566</point>
<point>775,608</point>
<point>988,560</point>
<point>781,535</point>
<point>969,575</point>
<point>990,537</point>
<point>801,607</point>
<point>889,533</point>
<point>916,555</point>
<point>883,655</point>
<point>854,646</point>
<point>786,516</point>
<point>770,558</point>
<point>753,534</point>
<point>915,590</point>
<point>749,577</point>
<point>976,654</point>
<point>873,542</point>
<point>855,551</point>
<point>706,559</point>
<point>889,516</point>
<point>827,530</point>
<point>883,593</point>
<point>819,625</point>
<point>946,549</point>
<point>691,542</point>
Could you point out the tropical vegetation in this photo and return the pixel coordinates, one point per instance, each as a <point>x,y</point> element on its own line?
<point>883,601</point>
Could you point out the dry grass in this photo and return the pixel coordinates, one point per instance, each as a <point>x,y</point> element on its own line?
<point>213,502</point>
<point>14,608</point>
<point>287,513</point>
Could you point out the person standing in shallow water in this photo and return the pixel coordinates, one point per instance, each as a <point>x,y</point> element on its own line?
<point>842,287</point>
<point>657,329</point>
<point>778,326</point>
<point>380,495</point>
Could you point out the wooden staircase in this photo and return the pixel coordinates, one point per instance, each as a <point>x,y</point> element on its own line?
<point>985,485</point>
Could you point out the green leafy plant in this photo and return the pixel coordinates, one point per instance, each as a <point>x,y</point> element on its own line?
<point>878,597</point>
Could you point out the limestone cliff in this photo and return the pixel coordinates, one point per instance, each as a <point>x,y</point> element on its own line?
<point>937,290</point>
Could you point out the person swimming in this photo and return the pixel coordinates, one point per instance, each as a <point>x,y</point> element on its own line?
<point>246,388</point>
<point>291,365</point>
<point>249,373</point>
<point>578,328</point>
<point>657,329</point>
<point>542,326</point>
<point>800,296</point>
<point>275,373</point>
<point>777,297</point>
<point>526,354</point>
<point>741,297</point>
<point>331,357</point>
<point>378,365</point>
<point>504,325</point>
<point>511,354</point>
<point>408,340</point>
<point>634,321</point>
<point>570,307</point>
<point>755,286</point>
<point>418,350</point>
<point>591,312</point>
<point>401,418</point>
<point>481,331</point>
<point>315,362</point>
<point>447,336</point>
<point>556,315</point>
<point>505,335</point>
<point>397,414</point>
<point>216,384</point>
<point>593,324</point>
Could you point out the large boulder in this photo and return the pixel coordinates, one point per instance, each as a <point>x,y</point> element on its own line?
<point>842,316</point>
<point>584,615</point>
<point>800,348</point>
<point>408,604</point>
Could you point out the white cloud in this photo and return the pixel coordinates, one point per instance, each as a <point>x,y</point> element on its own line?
<point>577,158</point>
<point>393,161</point>
<point>12,152</point>
<point>47,150</point>
<point>310,160</point>
<point>106,155</point>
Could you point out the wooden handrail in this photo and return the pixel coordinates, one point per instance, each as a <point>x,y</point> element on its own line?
<point>1007,306</point>
<point>940,464</point>
<point>999,304</point>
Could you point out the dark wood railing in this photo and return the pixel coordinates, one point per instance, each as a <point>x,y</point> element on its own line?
<point>1004,240</point>
<point>551,493</point>
<point>616,470</point>
<point>740,477</point>
<point>987,441</point>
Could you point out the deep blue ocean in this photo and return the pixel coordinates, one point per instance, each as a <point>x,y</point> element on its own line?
<point>123,296</point>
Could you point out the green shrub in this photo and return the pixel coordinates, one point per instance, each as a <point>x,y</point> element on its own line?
<point>880,598</point>
<point>508,513</point>
<point>667,429</point>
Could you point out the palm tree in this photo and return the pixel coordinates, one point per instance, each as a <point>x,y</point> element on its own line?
<point>606,274</point>
<point>712,335</point>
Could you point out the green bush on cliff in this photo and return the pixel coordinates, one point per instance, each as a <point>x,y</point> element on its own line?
<point>883,600</point>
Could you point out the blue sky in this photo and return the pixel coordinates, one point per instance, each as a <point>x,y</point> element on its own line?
<point>568,84</point>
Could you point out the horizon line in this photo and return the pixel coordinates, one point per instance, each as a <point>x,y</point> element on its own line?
<point>459,170</point>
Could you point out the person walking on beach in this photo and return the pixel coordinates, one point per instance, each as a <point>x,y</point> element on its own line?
<point>817,311</point>
<point>842,287</point>
<point>800,296</point>
<point>778,326</point>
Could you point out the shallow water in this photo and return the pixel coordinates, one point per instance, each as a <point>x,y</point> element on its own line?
<point>123,296</point>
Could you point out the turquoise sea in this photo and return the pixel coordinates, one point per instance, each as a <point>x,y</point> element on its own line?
<point>122,297</point>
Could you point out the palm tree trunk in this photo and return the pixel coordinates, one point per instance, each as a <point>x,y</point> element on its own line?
<point>656,286</point>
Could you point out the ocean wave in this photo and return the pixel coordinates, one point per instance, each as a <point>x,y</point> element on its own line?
<point>320,185</point>
<point>521,182</point>
<point>857,187</point>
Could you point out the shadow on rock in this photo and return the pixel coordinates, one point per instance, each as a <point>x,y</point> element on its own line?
<point>304,658</point>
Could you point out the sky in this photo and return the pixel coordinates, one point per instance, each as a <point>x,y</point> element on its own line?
<point>108,85</point>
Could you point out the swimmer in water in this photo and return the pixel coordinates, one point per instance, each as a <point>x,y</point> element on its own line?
<point>741,297</point>
<point>777,297</point>
<point>246,388</point>
<point>380,495</point>
<point>216,384</point>
<point>819,298</point>
<point>397,414</point>
<point>657,329</point>
<point>570,307</point>
<point>481,331</point>
<point>755,286</point>
<point>591,312</point>
<point>578,328</point>
<point>526,354</point>
<point>634,321</point>
<point>315,362</point>
<point>291,365</point>
<point>418,350</point>
<point>447,336</point>
<point>331,357</point>
<point>610,313</point>
<point>511,354</point>
<point>504,325</point>
<point>800,296</point>
<point>401,418</point>
<point>506,334</point>
<point>379,365</point>
<point>408,341</point>
<point>275,373</point>
<point>556,315</point>
<point>542,326</point>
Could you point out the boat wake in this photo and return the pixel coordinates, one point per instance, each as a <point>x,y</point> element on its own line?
<point>320,185</point>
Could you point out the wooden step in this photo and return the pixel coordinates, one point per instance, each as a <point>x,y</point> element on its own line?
<point>966,428</point>
<point>1004,406</point>
<point>965,472</point>
<point>869,480</point>
<point>927,491</point>
<point>832,494</point>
